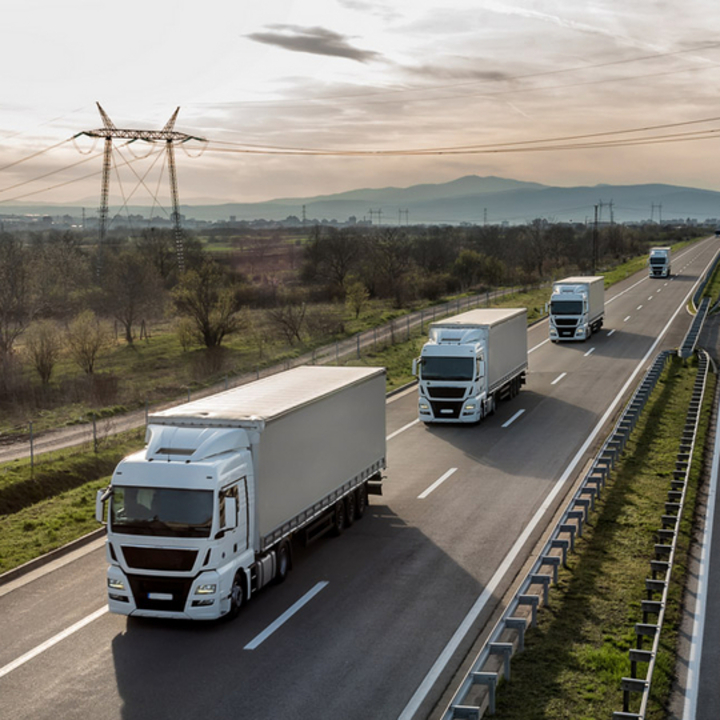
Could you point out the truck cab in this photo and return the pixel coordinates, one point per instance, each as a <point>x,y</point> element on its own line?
<point>452,379</point>
<point>659,262</point>
<point>178,530</point>
<point>577,308</point>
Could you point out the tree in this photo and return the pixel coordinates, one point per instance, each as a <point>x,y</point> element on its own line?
<point>204,296</point>
<point>87,336</point>
<point>391,262</point>
<point>43,345</point>
<point>469,267</point>
<point>132,289</point>
<point>16,297</point>
<point>289,317</point>
<point>331,255</point>
<point>356,297</point>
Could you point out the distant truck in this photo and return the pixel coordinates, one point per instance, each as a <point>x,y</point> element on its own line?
<point>469,362</point>
<point>659,262</point>
<point>577,308</point>
<point>203,517</point>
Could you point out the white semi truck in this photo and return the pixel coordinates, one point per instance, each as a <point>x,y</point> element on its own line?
<point>469,362</point>
<point>203,517</point>
<point>577,307</point>
<point>659,262</point>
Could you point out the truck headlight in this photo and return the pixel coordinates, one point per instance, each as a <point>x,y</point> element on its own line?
<point>116,584</point>
<point>471,406</point>
<point>209,589</point>
<point>424,406</point>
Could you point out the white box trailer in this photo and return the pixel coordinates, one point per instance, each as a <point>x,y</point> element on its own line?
<point>469,362</point>
<point>577,307</point>
<point>234,477</point>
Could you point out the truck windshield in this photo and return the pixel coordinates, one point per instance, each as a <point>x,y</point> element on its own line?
<point>162,511</point>
<point>659,260</point>
<point>566,307</point>
<point>447,368</point>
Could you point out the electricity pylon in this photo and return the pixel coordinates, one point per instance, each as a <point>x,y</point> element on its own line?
<point>167,135</point>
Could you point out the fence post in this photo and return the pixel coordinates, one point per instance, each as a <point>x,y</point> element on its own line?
<point>422,322</point>
<point>146,412</point>
<point>337,353</point>
<point>358,344</point>
<point>32,450</point>
<point>407,317</point>
<point>94,434</point>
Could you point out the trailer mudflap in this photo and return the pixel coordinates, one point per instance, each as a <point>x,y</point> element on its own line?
<point>374,485</point>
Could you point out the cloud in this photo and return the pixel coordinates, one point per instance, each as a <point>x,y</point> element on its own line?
<point>315,40</point>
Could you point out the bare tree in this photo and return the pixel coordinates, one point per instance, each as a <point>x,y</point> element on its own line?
<point>43,344</point>
<point>289,317</point>
<point>87,336</point>
<point>356,297</point>
<point>132,290</point>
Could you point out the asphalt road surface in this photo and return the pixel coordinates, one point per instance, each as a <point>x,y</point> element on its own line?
<point>390,608</point>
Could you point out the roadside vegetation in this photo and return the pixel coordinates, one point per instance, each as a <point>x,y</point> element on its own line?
<point>84,333</point>
<point>574,660</point>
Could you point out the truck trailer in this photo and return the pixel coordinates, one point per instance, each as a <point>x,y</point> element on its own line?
<point>204,516</point>
<point>469,362</point>
<point>577,307</point>
<point>659,262</point>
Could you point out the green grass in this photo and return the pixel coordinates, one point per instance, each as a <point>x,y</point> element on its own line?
<point>574,660</point>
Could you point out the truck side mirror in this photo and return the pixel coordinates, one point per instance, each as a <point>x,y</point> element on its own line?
<point>415,367</point>
<point>230,514</point>
<point>100,497</point>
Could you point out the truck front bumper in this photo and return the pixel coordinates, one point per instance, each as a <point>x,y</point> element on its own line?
<point>163,597</point>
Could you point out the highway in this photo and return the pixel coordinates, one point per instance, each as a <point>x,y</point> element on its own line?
<point>376,622</point>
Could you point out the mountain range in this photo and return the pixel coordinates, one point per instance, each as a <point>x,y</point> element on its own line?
<point>470,199</point>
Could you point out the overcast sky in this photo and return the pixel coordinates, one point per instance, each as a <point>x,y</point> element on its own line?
<point>353,75</point>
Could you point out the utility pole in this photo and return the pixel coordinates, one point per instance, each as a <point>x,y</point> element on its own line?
<point>371,216</point>
<point>379,214</point>
<point>485,216</point>
<point>303,216</point>
<point>595,243</point>
<point>168,135</point>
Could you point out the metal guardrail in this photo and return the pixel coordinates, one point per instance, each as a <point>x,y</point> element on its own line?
<point>689,343</point>
<point>662,565</point>
<point>478,689</point>
<point>701,287</point>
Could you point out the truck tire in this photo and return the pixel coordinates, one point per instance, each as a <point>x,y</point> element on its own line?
<point>350,508</point>
<point>237,595</point>
<point>338,519</point>
<point>361,502</point>
<point>282,559</point>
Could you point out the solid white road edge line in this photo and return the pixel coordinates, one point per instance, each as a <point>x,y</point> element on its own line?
<point>589,352</point>
<point>52,641</point>
<point>439,665</point>
<point>270,629</point>
<point>558,378</point>
<point>437,483</point>
<point>692,684</point>
<point>513,418</point>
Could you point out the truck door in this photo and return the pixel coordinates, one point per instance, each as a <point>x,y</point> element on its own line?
<point>238,525</point>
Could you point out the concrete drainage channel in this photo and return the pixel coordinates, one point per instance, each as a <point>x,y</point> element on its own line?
<point>477,691</point>
<point>661,567</point>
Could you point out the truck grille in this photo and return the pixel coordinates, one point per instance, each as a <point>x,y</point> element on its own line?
<point>143,558</point>
<point>446,392</point>
<point>568,322</point>
<point>144,587</point>
<point>445,409</point>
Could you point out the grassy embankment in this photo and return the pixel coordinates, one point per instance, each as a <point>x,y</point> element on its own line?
<point>574,660</point>
<point>67,481</point>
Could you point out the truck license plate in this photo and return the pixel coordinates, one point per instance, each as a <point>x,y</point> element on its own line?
<point>159,596</point>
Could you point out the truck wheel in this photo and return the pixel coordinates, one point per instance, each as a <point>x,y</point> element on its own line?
<point>338,519</point>
<point>361,502</point>
<point>237,595</point>
<point>283,563</point>
<point>350,507</point>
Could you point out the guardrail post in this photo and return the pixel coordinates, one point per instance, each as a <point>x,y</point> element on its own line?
<point>533,601</point>
<point>519,625</point>
<point>489,680</point>
<point>504,649</point>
